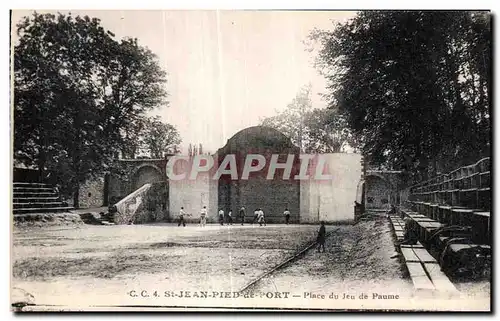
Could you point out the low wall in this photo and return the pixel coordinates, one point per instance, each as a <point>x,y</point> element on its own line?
<point>144,205</point>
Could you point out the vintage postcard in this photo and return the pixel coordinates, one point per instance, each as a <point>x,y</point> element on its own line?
<point>246,160</point>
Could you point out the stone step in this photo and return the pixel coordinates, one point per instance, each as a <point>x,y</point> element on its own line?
<point>34,194</point>
<point>94,218</point>
<point>37,205</point>
<point>35,199</point>
<point>28,184</point>
<point>33,189</point>
<point>42,210</point>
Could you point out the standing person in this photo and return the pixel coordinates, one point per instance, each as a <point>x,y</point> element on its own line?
<point>261,218</point>
<point>221,216</point>
<point>203,216</point>
<point>287,216</point>
<point>255,215</point>
<point>321,237</point>
<point>241,214</point>
<point>181,217</point>
<point>230,217</point>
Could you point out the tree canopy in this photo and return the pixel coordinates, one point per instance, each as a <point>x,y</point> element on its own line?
<point>414,85</point>
<point>160,138</point>
<point>313,130</point>
<point>78,93</point>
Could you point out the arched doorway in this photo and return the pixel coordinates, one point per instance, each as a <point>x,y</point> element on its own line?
<point>155,199</point>
<point>146,174</point>
<point>378,192</point>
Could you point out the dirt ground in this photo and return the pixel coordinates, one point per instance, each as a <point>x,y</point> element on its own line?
<point>355,255</point>
<point>359,261</point>
<point>87,265</point>
<point>47,219</point>
<point>53,261</point>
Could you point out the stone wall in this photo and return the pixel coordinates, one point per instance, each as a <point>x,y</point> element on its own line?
<point>92,193</point>
<point>273,196</point>
<point>378,193</point>
<point>384,185</point>
<point>118,188</point>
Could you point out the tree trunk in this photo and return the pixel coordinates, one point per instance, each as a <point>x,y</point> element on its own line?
<point>76,195</point>
<point>41,166</point>
<point>76,158</point>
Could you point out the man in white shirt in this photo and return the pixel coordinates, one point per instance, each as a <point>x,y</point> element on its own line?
<point>261,219</point>
<point>287,216</point>
<point>255,215</point>
<point>221,216</point>
<point>203,216</point>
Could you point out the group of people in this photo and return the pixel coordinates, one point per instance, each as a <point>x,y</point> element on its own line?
<point>203,217</point>
<point>258,216</point>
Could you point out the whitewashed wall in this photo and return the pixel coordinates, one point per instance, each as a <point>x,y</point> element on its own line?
<point>193,195</point>
<point>332,200</point>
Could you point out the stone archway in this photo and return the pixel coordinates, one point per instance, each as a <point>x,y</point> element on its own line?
<point>155,199</point>
<point>144,174</point>
<point>379,192</point>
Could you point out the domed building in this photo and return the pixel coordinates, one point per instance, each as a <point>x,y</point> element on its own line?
<point>274,195</point>
<point>309,200</point>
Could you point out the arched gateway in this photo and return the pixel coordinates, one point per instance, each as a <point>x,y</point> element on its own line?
<point>146,173</point>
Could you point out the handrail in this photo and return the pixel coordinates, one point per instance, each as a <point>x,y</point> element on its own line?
<point>122,206</point>
<point>133,194</point>
<point>421,184</point>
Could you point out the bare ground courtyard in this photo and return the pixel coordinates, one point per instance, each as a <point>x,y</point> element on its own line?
<point>136,265</point>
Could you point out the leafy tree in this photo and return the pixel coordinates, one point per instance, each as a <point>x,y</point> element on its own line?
<point>312,130</point>
<point>291,121</point>
<point>132,136</point>
<point>413,85</point>
<point>327,131</point>
<point>77,93</point>
<point>159,137</point>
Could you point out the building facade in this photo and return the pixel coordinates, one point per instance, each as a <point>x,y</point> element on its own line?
<point>309,200</point>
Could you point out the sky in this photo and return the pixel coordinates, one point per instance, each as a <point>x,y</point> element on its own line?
<point>226,69</point>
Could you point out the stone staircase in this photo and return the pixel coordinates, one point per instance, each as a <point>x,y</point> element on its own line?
<point>31,198</point>
<point>92,217</point>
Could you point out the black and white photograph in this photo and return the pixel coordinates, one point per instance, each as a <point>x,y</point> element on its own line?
<point>251,160</point>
